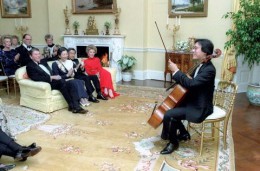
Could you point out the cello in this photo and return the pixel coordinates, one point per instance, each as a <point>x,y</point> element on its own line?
<point>176,96</point>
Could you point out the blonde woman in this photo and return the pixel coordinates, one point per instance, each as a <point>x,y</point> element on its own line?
<point>93,67</point>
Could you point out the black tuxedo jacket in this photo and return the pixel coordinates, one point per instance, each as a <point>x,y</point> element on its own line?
<point>36,73</point>
<point>24,55</point>
<point>199,99</point>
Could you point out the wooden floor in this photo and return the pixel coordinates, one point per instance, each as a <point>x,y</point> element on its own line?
<point>245,126</point>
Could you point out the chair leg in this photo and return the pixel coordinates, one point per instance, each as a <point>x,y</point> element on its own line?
<point>7,86</point>
<point>188,127</point>
<point>202,138</point>
<point>14,82</point>
<point>213,131</point>
<point>225,135</point>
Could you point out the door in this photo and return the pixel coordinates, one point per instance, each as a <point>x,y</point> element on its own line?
<point>244,75</point>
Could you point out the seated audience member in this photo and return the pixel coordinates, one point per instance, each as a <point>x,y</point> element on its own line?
<point>24,49</point>
<point>64,68</point>
<point>1,43</point>
<point>55,53</point>
<point>48,50</point>
<point>15,41</point>
<point>5,167</point>
<point>93,67</point>
<point>42,72</point>
<point>9,147</point>
<point>80,74</point>
<point>9,57</point>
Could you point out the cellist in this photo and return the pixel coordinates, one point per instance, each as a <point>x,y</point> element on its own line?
<point>198,103</point>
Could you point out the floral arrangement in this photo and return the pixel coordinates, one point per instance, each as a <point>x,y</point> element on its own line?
<point>182,46</point>
<point>75,24</point>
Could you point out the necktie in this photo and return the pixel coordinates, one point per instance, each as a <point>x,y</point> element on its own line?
<point>197,70</point>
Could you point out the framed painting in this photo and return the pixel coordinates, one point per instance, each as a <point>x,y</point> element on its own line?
<point>93,6</point>
<point>188,8</point>
<point>15,8</point>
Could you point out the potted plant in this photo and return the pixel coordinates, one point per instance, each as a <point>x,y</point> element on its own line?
<point>76,26</point>
<point>126,63</point>
<point>107,26</point>
<point>245,38</point>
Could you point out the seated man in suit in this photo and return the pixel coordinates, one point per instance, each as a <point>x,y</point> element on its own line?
<point>198,102</point>
<point>10,148</point>
<point>42,72</point>
<point>24,49</point>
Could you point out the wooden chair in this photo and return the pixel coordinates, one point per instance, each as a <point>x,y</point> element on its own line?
<point>3,79</point>
<point>224,97</point>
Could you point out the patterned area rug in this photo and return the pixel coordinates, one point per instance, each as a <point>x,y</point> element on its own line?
<point>115,136</point>
<point>21,119</point>
<point>214,157</point>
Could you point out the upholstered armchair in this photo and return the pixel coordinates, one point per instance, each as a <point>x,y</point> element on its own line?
<point>39,96</point>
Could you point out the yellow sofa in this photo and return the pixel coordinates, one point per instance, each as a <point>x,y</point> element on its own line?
<point>39,96</point>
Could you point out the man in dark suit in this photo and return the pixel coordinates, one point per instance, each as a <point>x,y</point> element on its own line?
<point>197,104</point>
<point>24,49</point>
<point>42,72</point>
<point>10,148</point>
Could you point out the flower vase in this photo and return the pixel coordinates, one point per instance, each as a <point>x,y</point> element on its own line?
<point>107,31</point>
<point>76,32</point>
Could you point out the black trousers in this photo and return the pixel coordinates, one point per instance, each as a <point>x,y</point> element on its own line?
<point>66,90</point>
<point>87,79</point>
<point>8,146</point>
<point>172,123</point>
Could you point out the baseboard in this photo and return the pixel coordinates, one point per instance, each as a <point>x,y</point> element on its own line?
<point>155,75</point>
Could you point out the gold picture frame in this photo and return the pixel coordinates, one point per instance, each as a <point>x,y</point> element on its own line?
<point>187,9</point>
<point>15,8</point>
<point>93,6</point>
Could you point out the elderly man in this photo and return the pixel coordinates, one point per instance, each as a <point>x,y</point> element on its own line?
<point>24,49</point>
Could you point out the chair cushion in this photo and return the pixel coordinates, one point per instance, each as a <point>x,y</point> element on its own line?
<point>217,113</point>
<point>11,76</point>
<point>3,78</point>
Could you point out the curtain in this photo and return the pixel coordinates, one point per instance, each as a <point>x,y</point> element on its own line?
<point>229,63</point>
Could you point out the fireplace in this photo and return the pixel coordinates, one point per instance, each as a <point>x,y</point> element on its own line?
<point>109,48</point>
<point>102,54</point>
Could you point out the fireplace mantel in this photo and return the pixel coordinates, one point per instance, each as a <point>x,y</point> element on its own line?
<point>114,42</point>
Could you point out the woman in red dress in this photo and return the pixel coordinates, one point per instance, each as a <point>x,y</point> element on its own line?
<point>93,67</point>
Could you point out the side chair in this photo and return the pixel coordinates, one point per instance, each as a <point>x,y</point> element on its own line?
<point>224,97</point>
<point>10,78</point>
<point>3,79</point>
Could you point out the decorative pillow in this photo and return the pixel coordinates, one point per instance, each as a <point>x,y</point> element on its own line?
<point>25,76</point>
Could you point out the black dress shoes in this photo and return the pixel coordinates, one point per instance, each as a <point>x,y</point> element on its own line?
<point>31,150</point>
<point>22,155</point>
<point>5,167</point>
<point>80,111</point>
<point>93,99</point>
<point>183,137</point>
<point>70,109</point>
<point>100,96</point>
<point>170,147</point>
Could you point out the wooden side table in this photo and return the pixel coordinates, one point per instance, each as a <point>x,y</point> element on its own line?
<point>183,60</point>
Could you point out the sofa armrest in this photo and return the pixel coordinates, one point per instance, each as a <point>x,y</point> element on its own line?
<point>35,89</point>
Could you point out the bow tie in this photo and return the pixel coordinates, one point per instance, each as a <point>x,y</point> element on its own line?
<point>29,47</point>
